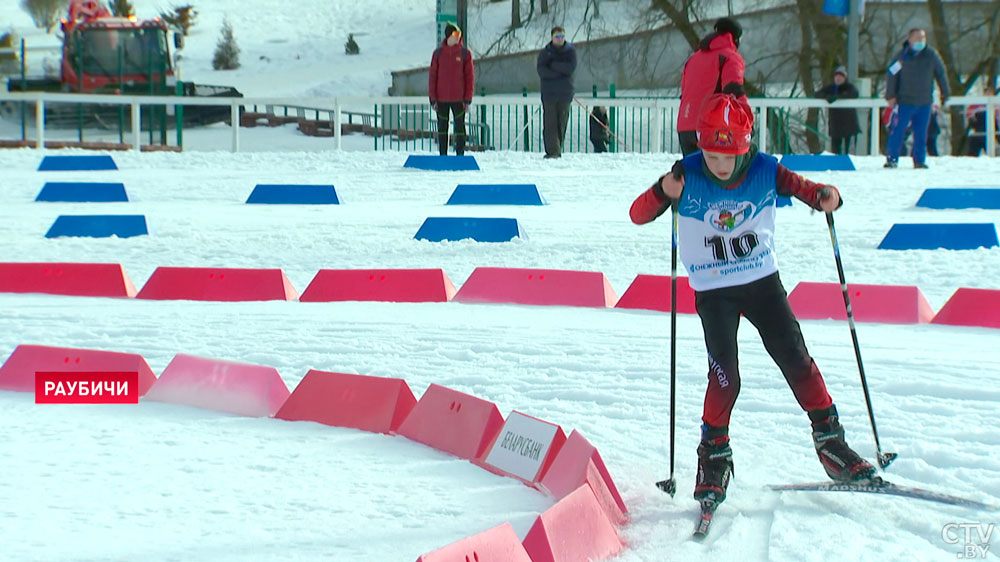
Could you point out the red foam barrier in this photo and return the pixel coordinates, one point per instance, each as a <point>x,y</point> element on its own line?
<point>499,544</point>
<point>577,463</point>
<point>362,402</point>
<point>652,292</point>
<point>971,307</point>
<point>537,286</point>
<point>453,422</point>
<point>523,449</point>
<point>225,386</point>
<point>18,372</point>
<point>391,285</point>
<point>575,528</point>
<point>77,279</point>
<point>217,284</point>
<point>888,304</point>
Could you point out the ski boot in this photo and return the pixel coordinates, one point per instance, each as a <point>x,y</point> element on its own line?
<point>715,466</point>
<point>841,463</point>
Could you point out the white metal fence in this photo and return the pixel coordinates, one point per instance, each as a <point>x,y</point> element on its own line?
<point>500,122</point>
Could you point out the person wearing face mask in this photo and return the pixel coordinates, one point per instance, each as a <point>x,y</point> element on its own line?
<point>556,65</point>
<point>910,85</point>
<point>450,86</point>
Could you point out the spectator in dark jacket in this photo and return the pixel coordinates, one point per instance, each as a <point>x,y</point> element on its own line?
<point>599,128</point>
<point>450,86</point>
<point>976,117</point>
<point>556,65</point>
<point>912,73</point>
<point>716,62</point>
<point>842,122</point>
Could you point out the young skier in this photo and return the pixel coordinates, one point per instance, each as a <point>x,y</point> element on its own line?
<point>726,203</point>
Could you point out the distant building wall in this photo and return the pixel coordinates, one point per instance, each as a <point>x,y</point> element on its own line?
<point>771,42</point>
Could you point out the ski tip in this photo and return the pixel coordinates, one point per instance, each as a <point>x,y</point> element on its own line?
<point>669,486</point>
<point>885,459</point>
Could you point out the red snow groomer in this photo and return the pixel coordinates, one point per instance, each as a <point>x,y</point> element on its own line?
<point>105,54</point>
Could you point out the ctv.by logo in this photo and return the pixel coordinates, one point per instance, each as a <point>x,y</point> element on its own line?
<point>974,537</point>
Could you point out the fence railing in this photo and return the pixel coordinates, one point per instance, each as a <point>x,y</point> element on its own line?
<point>494,122</point>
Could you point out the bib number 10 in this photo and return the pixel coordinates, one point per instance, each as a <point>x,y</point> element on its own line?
<point>740,246</point>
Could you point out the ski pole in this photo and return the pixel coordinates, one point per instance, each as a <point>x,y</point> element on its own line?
<point>670,484</point>
<point>883,458</point>
<point>526,123</point>
<point>591,114</point>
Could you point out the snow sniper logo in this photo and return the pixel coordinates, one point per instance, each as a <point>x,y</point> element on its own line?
<point>726,216</point>
<point>974,538</point>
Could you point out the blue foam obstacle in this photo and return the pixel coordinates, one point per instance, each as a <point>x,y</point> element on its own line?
<point>441,163</point>
<point>496,194</point>
<point>817,162</point>
<point>76,163</point>
<point>438,229</point>
<point>279,194</point>
<point>784,201</point>
<point>966,236</point>
<point>82,192</point>
<point>954,198</point>
<point>98,226</point>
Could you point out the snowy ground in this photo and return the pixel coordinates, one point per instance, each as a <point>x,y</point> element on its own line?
<point>157,482</point>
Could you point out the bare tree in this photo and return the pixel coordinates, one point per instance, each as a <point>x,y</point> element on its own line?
<point>45,13</point>
<point>515,14</point>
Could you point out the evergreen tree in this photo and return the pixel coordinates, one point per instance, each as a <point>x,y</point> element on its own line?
<point>351,47</point>
<point>227,52</point>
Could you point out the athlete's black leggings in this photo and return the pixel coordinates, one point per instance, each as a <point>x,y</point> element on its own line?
<point>765,304</point>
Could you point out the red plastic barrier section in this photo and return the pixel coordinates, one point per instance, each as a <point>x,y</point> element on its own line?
<point>225,386</point>
<point>77,279</point>
<point>391,285</point>
<point>889,304</point>
<point>18,373</point>
<point>652,292</point>
<point>499,544</point>
<point>575,528</point>
<point>537,286</point>
<point>577,463</point>
<point>373,404</point>
<point>453,422</point>
<point>217,284</point>
<point>971,307</point>
<point>523,449</point>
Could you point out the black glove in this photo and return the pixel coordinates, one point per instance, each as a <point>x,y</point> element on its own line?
<point>678,170</point>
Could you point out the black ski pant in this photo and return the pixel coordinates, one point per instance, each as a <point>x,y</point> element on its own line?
<point>842,145</point>
<point>457,109</point>
<point>555,117</point>
<point>765,304</point>
<point>689,141</point>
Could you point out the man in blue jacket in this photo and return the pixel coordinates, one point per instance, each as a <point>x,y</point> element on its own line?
<point>912,73</point>
<point>556,64</point>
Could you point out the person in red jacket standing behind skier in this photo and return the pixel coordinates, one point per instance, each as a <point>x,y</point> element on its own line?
<point>716,62</point>
<point>726,199</point>
<point>450,86</point>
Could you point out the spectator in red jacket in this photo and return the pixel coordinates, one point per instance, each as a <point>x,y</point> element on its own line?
<point>716,62</point>
<point>452,80</point>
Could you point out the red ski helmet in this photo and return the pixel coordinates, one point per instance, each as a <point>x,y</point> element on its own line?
<point>725,124</point>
